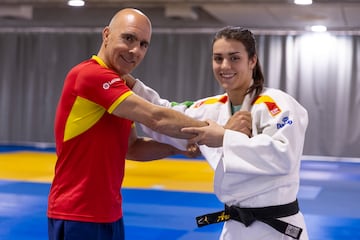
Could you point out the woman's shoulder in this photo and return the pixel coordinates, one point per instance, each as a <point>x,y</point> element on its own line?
<point>277,99</point>
<point>274,96</point>
<point>276,93</point>
<point>212,100</point>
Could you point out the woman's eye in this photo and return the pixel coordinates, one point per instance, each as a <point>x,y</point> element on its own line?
<point>217,59</point>
<point>234,58</point>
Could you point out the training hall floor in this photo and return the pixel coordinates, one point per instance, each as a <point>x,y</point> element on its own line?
<point>162,198</point>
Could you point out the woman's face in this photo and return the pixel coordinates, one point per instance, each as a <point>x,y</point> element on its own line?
<point>231,65</point>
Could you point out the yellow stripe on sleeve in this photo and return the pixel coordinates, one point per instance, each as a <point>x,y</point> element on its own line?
<point>119,100</point>
<point>270,104</point>
<point>263,98</point>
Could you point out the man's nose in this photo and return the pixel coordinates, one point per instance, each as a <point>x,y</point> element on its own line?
<point>136,49</point>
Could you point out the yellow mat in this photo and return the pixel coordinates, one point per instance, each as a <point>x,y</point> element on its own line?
<point>167,174</point>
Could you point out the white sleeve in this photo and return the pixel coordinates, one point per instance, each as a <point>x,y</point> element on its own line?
<point>149,94</point>
<point>152,96</point>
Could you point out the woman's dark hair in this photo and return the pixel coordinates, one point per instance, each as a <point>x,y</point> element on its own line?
<point>247,38</point>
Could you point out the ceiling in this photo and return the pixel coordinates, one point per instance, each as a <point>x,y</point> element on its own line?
<point>267,15</point>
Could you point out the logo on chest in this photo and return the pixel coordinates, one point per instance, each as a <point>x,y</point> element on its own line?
<point>285,121</point>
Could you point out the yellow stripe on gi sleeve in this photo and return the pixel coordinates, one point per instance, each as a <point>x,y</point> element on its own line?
<point>263,98</point>
<point>270,104</point>
<point>84,114</point>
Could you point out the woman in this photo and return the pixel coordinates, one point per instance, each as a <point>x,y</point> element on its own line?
<point>256,170</point>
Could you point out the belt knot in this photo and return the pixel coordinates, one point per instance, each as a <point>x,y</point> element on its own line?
<point>240,214</point>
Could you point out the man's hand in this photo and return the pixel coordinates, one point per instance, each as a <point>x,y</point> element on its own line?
<point>192,151</point>
<point>241,121</point>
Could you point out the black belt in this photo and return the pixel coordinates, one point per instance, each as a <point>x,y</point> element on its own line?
<point>266,215</point>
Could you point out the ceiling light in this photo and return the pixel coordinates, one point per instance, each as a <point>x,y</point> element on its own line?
<point>318,28</point>
<point>16,12</point>
<point>76,3</point>
<point>180,11</point>
<point>303,2</point>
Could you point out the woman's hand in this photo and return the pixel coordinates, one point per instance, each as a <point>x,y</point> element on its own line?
<point>241,121</point>
<point>211,135</point>
<point>129,80</point>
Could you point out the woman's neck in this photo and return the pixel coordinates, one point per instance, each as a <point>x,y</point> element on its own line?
<point>236,97</point>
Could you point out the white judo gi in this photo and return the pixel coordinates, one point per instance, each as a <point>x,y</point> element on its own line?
<point>251,172</point>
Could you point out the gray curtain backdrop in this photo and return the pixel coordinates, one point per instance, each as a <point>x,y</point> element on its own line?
<point>320,71</point>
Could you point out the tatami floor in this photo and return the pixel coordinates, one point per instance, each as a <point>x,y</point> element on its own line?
<point>162,198</point>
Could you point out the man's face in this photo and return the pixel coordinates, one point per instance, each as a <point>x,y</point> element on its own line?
<point>126,43</point>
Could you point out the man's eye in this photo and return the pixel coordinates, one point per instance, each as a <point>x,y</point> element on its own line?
<point>144,44</point>
<point>129,38</point>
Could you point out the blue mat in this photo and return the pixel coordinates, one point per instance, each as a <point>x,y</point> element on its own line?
<point>329,198</point>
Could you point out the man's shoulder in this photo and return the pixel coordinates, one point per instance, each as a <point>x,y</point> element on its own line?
<point>91,69</point>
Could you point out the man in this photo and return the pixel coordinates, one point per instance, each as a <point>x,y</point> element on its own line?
<point>94,131</point>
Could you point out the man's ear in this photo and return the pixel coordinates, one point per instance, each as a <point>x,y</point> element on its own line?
<point>105,35</point>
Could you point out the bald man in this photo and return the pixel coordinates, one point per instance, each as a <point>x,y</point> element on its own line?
<point>95,133</point>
